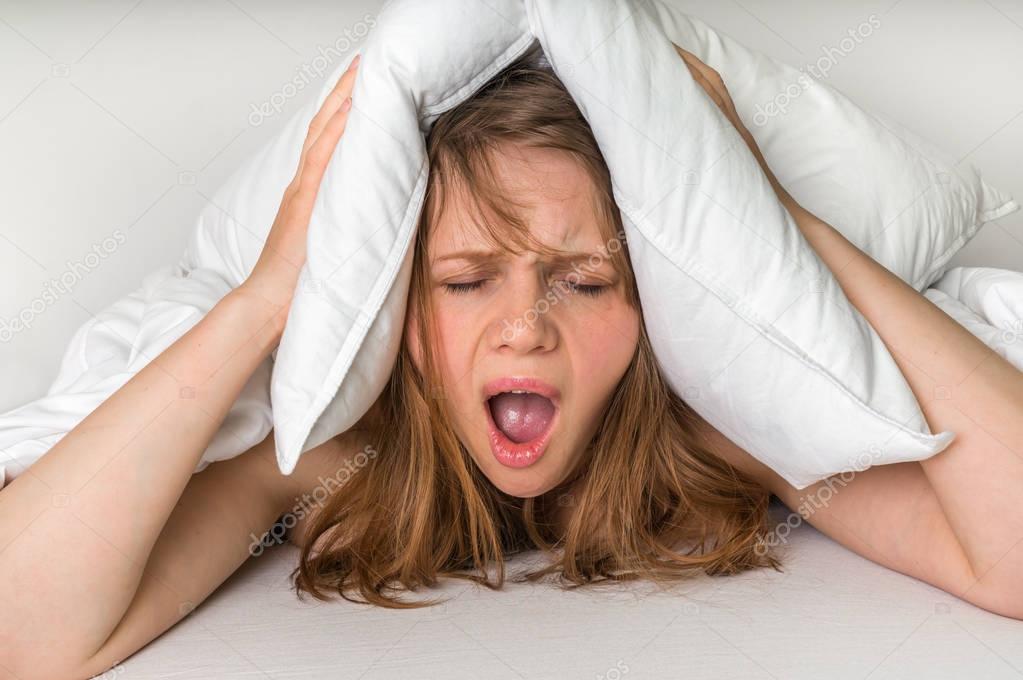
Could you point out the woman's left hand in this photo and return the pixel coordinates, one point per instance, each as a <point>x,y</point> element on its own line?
<point>711,81</point>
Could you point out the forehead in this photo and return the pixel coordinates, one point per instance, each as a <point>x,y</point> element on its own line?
<point>555,194</point>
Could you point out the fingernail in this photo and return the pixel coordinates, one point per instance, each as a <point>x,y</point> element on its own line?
<point>357,58</point>
<point>346,104</point>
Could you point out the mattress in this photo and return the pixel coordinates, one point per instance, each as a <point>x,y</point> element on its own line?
<point>831,614</point>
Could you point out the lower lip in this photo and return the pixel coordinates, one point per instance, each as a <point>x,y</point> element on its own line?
<point>518,455</point>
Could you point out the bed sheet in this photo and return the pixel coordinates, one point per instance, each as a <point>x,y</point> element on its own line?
<point>830,614</point>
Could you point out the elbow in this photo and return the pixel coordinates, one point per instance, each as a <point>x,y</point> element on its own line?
<point>33,665</point>
<point>51,671</point>
<point>1011,610</point>
<point>1008,610</point>
<point>1003,597</point>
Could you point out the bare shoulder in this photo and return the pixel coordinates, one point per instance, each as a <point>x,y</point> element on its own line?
<point>321,473</point>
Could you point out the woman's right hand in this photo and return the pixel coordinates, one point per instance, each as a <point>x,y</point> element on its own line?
<point>274,277</point>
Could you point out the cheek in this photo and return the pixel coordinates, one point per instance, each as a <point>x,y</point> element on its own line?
<point>608,341</point>
<point>456,340</point>
<point>606,344</point>
<point>451,342</point>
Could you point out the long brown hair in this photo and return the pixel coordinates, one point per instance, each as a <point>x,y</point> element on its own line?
<point>648,500</point>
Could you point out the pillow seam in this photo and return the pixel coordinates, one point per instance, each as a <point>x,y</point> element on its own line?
<point>345,359</point>
<point>507,56</point>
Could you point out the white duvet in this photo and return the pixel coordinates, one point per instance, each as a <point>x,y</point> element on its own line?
<point>986,301</point>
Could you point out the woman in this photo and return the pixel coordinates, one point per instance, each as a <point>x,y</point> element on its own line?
<point>459,464</point>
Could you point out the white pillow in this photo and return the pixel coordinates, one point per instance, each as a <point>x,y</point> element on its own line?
<point>750,327</point>
<point>889,191</point>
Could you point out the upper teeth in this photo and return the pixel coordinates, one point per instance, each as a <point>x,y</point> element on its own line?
<point>510,392</point>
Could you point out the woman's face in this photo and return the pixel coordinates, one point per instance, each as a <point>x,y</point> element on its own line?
<point>562,336</point>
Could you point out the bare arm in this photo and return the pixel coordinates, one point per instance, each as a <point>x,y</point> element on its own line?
<point>956,519</point>
<point>962,385</point>
<point>81,567</point>
<point>78,526</point>
<point>212,530</point>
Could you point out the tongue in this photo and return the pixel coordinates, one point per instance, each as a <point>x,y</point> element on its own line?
<point>521,417</point>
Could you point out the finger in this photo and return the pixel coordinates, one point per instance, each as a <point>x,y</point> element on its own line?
<point>333,101</point>
<point>709,74</point>
<point>711,91</point>
<point>325,144</point>
<point>714,78</point>
<point>342,109</point>
<point>322,150</point>
<point>689,57</point>
<point>722,96</point>
<point>332,104</point>
<point>699,70</point>
<point>681,52</point>
<point>711,81</point>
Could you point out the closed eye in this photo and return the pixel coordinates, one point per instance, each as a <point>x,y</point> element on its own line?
<point>461,288</point>
<point>584,288</point>
<point>591,290</point>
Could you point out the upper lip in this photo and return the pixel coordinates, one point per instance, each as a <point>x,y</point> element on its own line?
<point>507,384</point>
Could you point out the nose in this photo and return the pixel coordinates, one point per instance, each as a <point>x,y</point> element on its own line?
<point>523,320</point>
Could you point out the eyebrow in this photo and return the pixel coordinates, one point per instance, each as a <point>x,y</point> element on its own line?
<point>482,256</point>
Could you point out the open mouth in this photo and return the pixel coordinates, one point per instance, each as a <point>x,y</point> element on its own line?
<point>520,419</point>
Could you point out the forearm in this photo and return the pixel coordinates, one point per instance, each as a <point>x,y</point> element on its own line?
<point>962,385</point>
<point>77,527</point>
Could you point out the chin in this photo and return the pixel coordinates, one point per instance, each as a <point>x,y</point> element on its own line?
<point>522,485</point>
<point>528,482</point>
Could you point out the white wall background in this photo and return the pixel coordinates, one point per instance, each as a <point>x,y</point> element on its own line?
<point>120,115</point>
